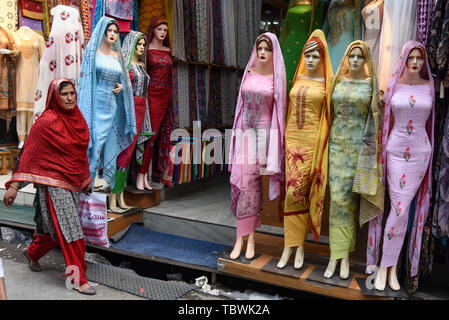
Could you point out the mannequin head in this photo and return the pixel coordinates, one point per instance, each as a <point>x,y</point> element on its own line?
<point>415,60</point>
<point>312,56</point>
<point>67,95</point>
<point>111,32</point>
<point>160,31</point>
<point>356,60</point>
<point>264,50</point>
<point>140,47</point>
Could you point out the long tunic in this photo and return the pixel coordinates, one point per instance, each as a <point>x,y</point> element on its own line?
<point>306,102</point>
<point>258,98</point>
<point>350,107</point>
<point>408,156</point>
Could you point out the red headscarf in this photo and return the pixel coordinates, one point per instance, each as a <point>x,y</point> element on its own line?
<point>154,24</point>
<point>55,152</point>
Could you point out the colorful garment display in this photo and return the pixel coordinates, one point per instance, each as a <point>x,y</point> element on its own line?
<point>306,148</point>
<point>424,11</point>
<point>301,19</point>
<point>407,154</point>
<point>400,17</point>
<point>159,65</point>
<point>7,101</point>
<point>148,10</point>
<point>249,12</point>
<point>260,112</point>
<point>110,117</point>
<point>229,29</point>
<point>63,53</point>
<point>32,9</point>
<point>139,80</point>
<point>342,26</point>
<point>354,173</point>
<point>178,44</point>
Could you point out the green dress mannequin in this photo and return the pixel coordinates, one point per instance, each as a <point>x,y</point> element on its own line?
<point>303,16</point>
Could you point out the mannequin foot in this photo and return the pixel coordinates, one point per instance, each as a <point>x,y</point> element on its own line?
<point>381,279</point>
<point>284,258</point>
<point>21,143</point>
<point>139,182</point>
<point>121,201</point>
<point>393,279</point>
<point>344,268</point>
<point>299,258</point>
<point>237,248</point>
<point>113,203</point>
<point>250,247</point>
<point>146,183</point>
<point>330,268</point>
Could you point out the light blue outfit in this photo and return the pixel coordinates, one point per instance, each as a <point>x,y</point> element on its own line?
<point>110,117</point>
<point>342,26</point>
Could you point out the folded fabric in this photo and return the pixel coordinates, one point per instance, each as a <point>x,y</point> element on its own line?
<point>32,9</point>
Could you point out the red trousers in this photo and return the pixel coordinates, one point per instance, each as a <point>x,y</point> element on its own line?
<point>73,251</point>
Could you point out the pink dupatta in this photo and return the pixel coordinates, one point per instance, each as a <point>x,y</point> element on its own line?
<point>275,150</point>
<point>422,198</point>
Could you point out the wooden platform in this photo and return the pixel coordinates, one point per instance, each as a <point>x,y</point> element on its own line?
<point>316,256</point>
<point>121,221</point>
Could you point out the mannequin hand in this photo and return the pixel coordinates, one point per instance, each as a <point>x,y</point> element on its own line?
<point>118,88</point>
<point>9,197</point>
<point>88,189</point>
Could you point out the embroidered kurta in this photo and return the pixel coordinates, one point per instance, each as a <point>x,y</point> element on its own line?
<point>31,46</point>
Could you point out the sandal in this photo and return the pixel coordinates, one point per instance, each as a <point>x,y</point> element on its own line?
<point>37,267</point>
<point>89,291</point>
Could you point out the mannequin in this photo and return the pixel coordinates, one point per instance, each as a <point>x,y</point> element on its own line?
<point>306,139</point>
<point>303,16</point>
<point>260,111</point>
<point>159,69</point>
<point>111,116</point>
<point>133,50</point>
<point>372,15</point>
<point>408,154</point>
<point>31,46</point>
<point>353,132</point>
<point>8,55</point>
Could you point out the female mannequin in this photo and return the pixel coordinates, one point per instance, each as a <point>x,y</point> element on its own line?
<point>257,146</point>
<point>106,99</point>
<point>8,54</point>
<point>307,118</point>
<point>159,91</point>
<point>135,58</point>
<point>302,17</point>
<point>355,175</point>
<point>408,147</point>
<point>372,15</point>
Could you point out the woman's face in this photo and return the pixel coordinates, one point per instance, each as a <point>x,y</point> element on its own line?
<point>415,61</point>
<point>67,96</point>
<point>312,60</point>
<point>111,34</point>
<point>264,53</point>
<point>140,47</point>
<point>160,32</point>
<point>356,59</point>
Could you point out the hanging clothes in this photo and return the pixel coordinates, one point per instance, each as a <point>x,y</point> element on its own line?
<point>83,6</point>
<point>9,19</point>
<point>342,26</point>
<point>424,13</point>
<point>7,67</point>
<point>149,9</point>
<point>62,55</point>
<point>178,45</point>
<point>260,110</point>
<point>414,177</point>
<point>372,15</point>
<point>355,175</point>
<point>139,80</point>
<point>301,19</point>
<point>110,117</point>
<point>400,17</point>
<point>306,148</point>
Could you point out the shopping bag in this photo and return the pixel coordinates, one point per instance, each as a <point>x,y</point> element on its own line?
<point>93,216</point>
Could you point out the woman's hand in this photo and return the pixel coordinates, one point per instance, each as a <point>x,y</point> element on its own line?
<point>88,189</point>
<point>10,195</point>
<point>118,88</point>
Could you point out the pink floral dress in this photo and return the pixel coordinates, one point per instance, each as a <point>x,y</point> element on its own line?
<point>408,156</point>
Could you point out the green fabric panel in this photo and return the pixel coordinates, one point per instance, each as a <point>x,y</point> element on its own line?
<point>120,181</point>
